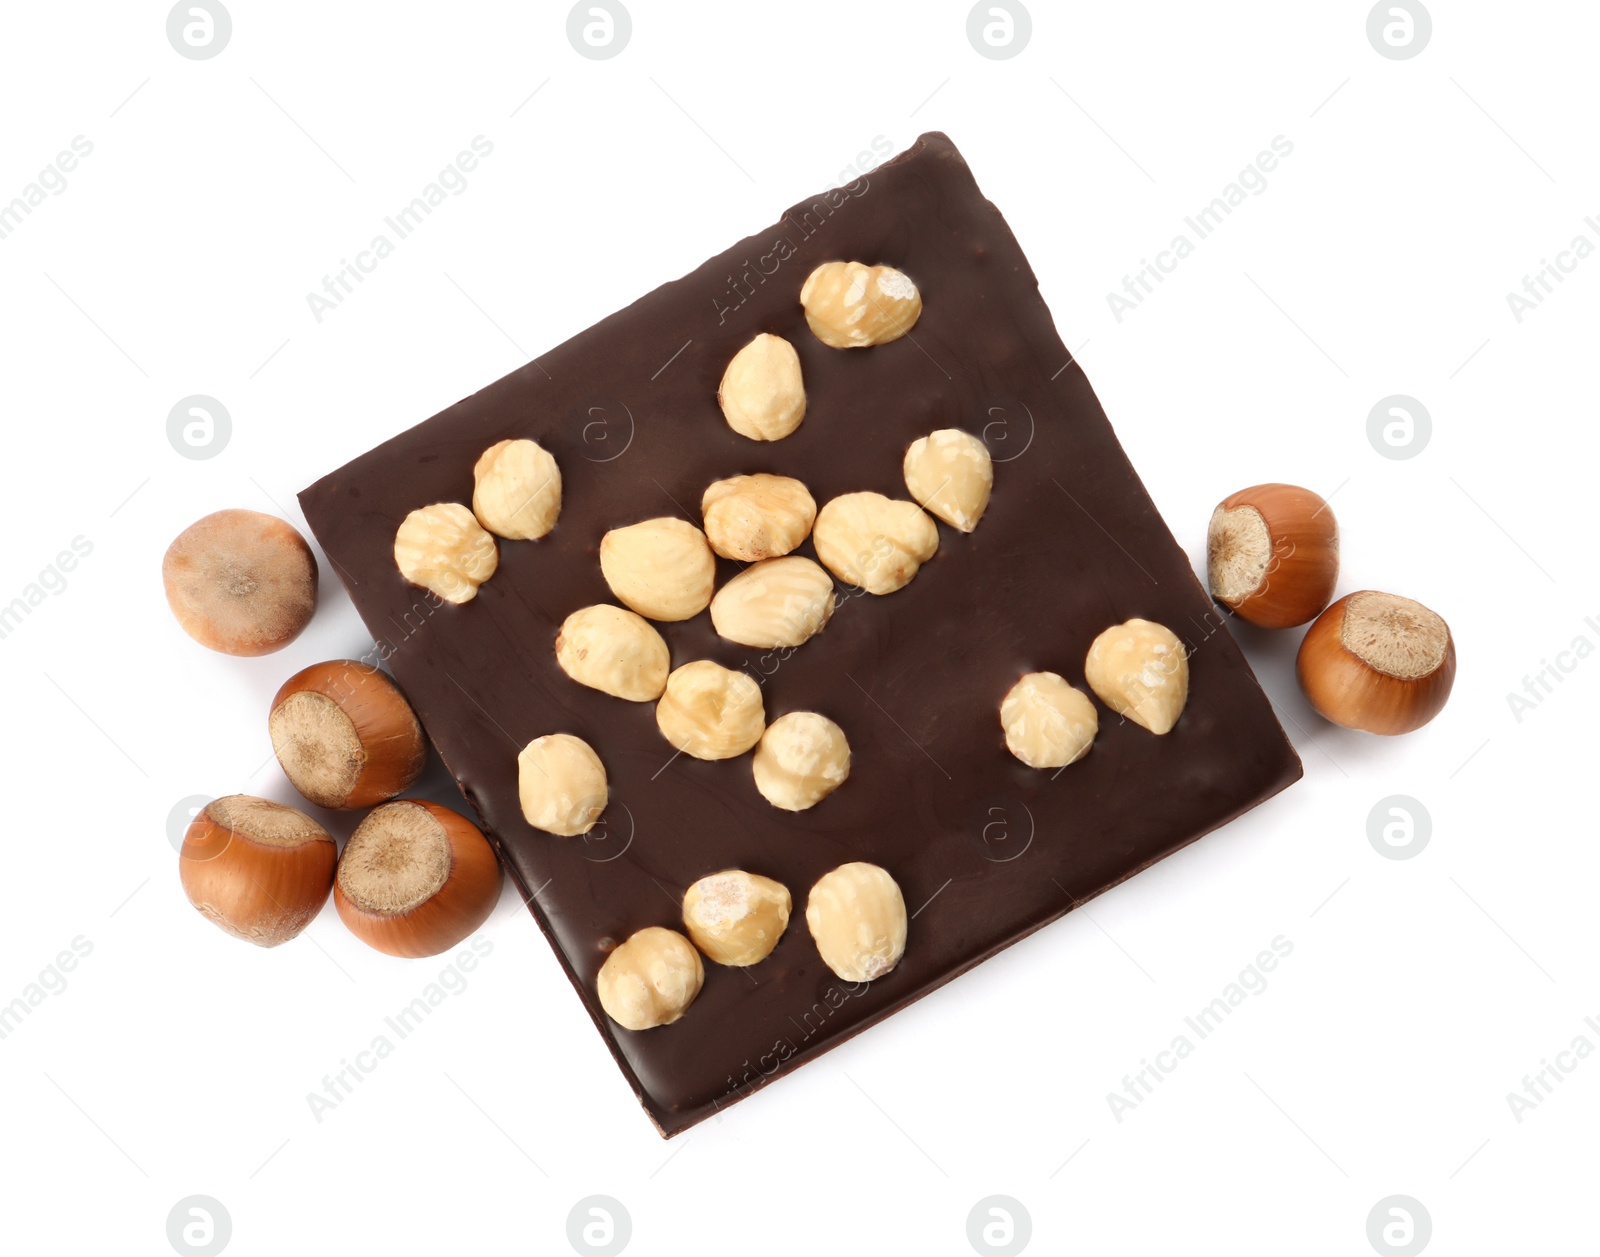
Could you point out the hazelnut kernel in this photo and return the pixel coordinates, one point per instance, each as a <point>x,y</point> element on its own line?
<point>777,602</point>
<point>850,305</point>
<point>662,568</point>
<point>614,651</point>
<point>762,395</point>
<point>711,712</point>
<point>735,917</point>
<point>951,474</point>
<point>517,490</point>
<point>873,542</point>
<point>562,784</point>
<point>1140,670</point>
<point>651,979</point>
<point>444,549</point>
<point>1048,723</point>
<point>750,518</point>
<point>857,916</point>
<point>803,757</point>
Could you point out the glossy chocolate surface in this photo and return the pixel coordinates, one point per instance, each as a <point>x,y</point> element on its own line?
<point>985,849</point>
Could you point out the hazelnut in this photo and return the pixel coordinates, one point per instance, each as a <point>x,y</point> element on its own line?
<point>873,542</point>
<point>614,651</point>
<point>711,712</point>
<point>241,582</point>
<point>562,784</point>
<point>443,549</point>
<point>662,568</point>
<point>1048,723</point>
<point>735,917</point>
<point>345,736</point>
<point>651,979</point>
<point>1140,670</point>
<point>951,474</point>
<point>762,395</point>
<point>857,916</point>
<point>1272,554</point>
<point>257,869</point>
<point>415,879</point>
<point>850,305</point>
<point>750,518</point>
<point>777,602</point>
<point>517,490</point>
<point>802,759</point>
<point>1377,662</point>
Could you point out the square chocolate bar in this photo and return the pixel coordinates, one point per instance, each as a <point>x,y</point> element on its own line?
<point>985,849</point>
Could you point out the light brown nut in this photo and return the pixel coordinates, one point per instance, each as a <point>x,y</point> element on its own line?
<point>1048,723</point>
<point>241,582</point>
<point>662,568</point>
<point>735,917</point>
<point>762,395</point>
<point>562,784</point>
<point>651,979</point>
<point>1140,670</point>
<point>711,712</point>
<point>777,602</point>
<point>443,549</point>
<point>951,474</point>
<point>857,916</point>
<point>614,651</point>
<point>517,490</point>
<point>850,305</point>
<point>874,542</point>
<point>802,759</point>
<point>750,518</point>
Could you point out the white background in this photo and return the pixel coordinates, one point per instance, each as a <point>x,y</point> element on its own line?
<point>177,1061</point>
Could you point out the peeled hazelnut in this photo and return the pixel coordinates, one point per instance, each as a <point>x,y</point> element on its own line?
<point>711,712</point>
<point>857,916</point>
<point>1140,670</point>
<point>257,869</point>
<point>1048,723</point>
<point>777,602</point>
<point>1272,554</point>
<point>562,784</point>
<point>517,490</point>
<point>850,305</point>
<point>662,568</point>
<point>1377,662</point>
<point>415,879</point>
<point>615,651</point>
<point>241,582</point>
<point>443,549</point>
<point>651,979</point>
<point>802,759</point>
<point>345,736</point>
<point>951,474</point>
<point>749,518</point>
<point>735,917</point>
<point>874,542</point>
<point>762,394</point>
